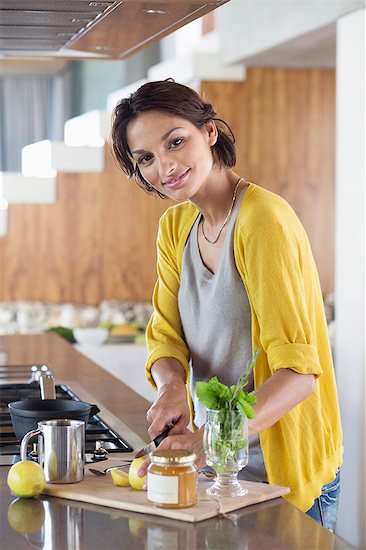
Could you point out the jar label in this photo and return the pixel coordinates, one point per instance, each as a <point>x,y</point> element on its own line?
<point>162,489</point>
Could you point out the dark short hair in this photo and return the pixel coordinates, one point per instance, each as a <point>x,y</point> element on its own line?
<point>174,99</point>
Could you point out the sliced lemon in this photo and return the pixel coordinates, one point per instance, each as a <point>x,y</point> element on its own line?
<point>120,478</point>
<point>136,482</point>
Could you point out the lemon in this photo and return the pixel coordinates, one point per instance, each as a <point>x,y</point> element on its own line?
<point>26,516</point>
<point>120,478</point>
<point>136,482</point>
<point>137,527</point>
<point>26,479</point>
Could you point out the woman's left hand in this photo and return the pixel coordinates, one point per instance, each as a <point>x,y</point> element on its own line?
<point>191,441</point>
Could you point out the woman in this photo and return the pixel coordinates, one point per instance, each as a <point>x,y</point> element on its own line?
<point>235,273</point>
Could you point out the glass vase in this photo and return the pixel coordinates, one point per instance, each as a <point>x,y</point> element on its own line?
<point>226,446</point>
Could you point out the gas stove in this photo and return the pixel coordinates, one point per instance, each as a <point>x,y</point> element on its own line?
<point>99,433</point>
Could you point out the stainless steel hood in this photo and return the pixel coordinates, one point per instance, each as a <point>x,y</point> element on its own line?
<point>91,28</point>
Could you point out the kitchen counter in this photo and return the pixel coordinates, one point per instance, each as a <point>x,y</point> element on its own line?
<point>59,524</point>
<point>124,361</point>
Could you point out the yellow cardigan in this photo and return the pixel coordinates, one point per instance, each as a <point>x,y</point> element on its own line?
<point>303,450</point>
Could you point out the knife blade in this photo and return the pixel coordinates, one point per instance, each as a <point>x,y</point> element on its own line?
<point>153,445</point>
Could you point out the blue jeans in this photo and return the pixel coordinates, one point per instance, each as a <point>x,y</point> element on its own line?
<point>325,507</point>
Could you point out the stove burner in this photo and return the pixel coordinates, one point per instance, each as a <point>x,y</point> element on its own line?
<point>96,429</point>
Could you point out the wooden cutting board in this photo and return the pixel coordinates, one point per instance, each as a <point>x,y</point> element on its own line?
<point>100,490</point>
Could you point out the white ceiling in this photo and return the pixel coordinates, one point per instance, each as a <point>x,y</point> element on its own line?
<point>313,49</point>
<point>282,33</point>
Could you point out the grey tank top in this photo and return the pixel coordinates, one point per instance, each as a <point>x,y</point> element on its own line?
<point>216,320</point>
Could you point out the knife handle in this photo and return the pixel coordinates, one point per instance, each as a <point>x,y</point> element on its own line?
<point>159,438</point>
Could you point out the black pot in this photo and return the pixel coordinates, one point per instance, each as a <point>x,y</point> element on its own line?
<point>26,414</point>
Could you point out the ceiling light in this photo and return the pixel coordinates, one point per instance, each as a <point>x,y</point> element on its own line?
<point>155,12</point>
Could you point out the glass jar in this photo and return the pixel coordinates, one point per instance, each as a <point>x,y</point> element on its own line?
<point>225,441</point>
<point>172,479</point>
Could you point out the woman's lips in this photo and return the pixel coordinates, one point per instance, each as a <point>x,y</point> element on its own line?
<point>177,182</point>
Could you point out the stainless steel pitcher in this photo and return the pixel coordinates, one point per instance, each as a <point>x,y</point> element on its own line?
<point>61,449</point>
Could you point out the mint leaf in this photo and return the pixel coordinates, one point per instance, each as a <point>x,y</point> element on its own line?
<point>251,397</point>
<point>217,396</point>
<point>206,393</point>
<point>221,391</point>
<point>245,408</point>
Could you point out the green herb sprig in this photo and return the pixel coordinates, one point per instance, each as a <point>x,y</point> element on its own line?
<point>217,396</point>
<point>226,442</point>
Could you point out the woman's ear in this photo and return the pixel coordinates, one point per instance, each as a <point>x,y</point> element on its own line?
<point>212,133</point>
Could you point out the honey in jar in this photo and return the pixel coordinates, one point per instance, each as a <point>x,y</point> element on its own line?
<point>172,479</point>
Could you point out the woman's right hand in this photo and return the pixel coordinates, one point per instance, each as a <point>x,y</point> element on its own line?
<point>170,409</point>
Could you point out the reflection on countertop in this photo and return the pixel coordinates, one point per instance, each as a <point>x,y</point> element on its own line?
<point>56,524</point>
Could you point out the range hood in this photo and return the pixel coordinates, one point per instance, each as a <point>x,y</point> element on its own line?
<point>91,28</point>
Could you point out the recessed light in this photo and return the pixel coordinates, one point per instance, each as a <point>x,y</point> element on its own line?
<point>103,48</point>
<point>155,12</point>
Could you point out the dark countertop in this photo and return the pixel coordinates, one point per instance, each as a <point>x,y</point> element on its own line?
<point>62,524</point>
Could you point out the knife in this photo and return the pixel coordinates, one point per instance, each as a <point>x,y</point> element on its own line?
<point>153,445</point>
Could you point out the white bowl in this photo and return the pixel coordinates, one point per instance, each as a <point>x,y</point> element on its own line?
<point>90,336</point>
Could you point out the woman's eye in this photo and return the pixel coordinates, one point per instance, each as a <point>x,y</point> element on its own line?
<point>176,142</point>
<point>144,159</point>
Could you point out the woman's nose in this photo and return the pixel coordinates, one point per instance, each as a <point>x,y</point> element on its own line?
<point>167,165</point>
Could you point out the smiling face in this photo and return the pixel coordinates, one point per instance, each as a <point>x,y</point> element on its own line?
<point>172,154</point>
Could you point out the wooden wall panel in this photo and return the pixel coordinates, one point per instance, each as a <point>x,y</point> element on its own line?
<point>80,218</point>
<point>284,121</point>
<point>130,228</point>
<point>52,252</point>
<point>98,240</point>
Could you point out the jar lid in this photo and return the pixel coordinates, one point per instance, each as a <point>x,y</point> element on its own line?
<point>172,456</point>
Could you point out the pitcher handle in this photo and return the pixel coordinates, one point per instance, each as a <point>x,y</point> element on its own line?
<point>24,443</point>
